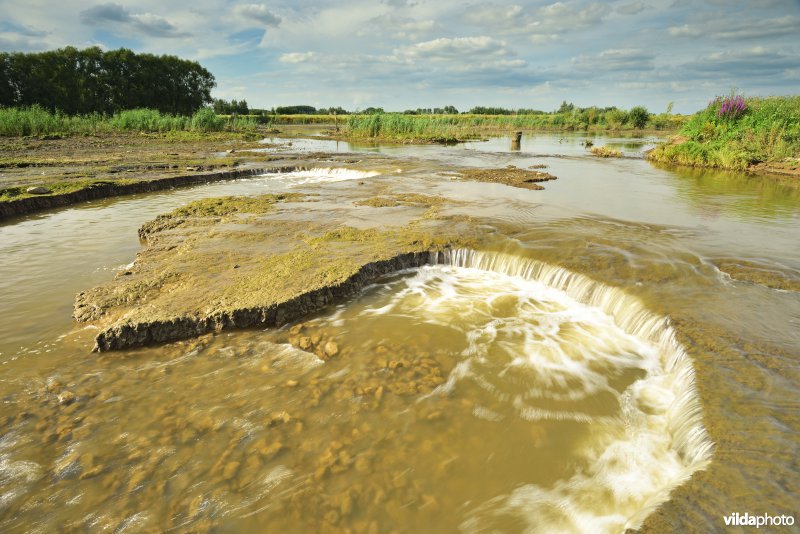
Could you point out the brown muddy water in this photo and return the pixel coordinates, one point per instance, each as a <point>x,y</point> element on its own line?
<point>624,353</point>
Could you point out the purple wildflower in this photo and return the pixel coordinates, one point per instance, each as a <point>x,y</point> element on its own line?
<point>731,107</point>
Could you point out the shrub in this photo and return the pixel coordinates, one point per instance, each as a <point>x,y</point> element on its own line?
<point>616,117</point>
<point>638,116</point>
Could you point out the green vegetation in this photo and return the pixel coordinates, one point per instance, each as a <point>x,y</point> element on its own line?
<point>728,135</point>
<point>606,152</point>
<point>231,205</point>
<point>223,107</point>
<point>303,119</point>
<point>400,126</point>
<point>216,208</point>
<point>295,110</point>
<point>80,82</point>
<point>37,121</point>
<point>638,117</point>
<point>454,127</point>
<point>404,199</point>
<point>57,188</point>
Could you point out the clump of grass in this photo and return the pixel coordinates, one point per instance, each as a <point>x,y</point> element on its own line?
<point>404,127</point>
<point>148,120</point>
<point>205,120</point>
<point>734,132</point>
<point>606,152</point>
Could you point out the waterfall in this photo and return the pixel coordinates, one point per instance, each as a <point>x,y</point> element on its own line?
<point>664,404</point>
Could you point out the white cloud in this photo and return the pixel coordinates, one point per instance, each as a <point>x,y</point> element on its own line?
<point>755,29</point>
<point>684,31</point>
<point>630,8</point>
<point>296,57</point>
<point>615,59</point>
<point>563,16</point>
<point>738,28</point>
<point>401,52</point>
<point>493,15</point>
<point>543,24</point>
<point>256,13</point>
<point>458,48</point>
<point>111,14</point>
<point>103,13</point>
<point>744,64</point>
<point>155,25</point>
<point>398,27</point>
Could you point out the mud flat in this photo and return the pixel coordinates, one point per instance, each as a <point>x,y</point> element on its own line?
<point>42,174</point>
<point>259,262</point>
<point>105,189</point>
<point>524,178</point>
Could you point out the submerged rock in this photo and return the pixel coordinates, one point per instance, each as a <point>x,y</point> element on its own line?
<point>38,190</point>
<point>331,349</point>
<point>66,397</point>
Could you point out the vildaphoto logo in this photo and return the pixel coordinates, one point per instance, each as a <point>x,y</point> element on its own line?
<point>764,520</point>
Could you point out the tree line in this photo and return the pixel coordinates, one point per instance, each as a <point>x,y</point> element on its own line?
<point>224,107</point>
<point>93,81</point>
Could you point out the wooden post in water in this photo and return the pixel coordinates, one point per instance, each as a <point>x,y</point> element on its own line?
<point>516,140</point>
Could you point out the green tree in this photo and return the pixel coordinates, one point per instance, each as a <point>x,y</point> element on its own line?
<point>90,80</point>
<point>566,108</point>
<point>295,110</point>
<point>638,116</point>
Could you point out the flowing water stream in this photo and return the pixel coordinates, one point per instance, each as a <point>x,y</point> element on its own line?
<point>630,336</point>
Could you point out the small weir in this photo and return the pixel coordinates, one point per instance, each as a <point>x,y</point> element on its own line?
<point>571,357</point>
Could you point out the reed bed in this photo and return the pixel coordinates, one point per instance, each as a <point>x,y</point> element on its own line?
<point>445,128</point>
<point>37,121</point>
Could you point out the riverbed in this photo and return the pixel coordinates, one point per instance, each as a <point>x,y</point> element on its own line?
<point>476,393</point>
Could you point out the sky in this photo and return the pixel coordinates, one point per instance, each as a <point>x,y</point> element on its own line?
<point>406,54</point>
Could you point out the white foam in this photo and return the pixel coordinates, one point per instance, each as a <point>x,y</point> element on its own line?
<point>285,357</point>
<point>317,176</point>
<point>560,348</point>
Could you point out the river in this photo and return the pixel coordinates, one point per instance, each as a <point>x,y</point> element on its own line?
<point>630,336</point>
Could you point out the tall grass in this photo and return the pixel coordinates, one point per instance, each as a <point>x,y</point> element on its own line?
<point>766,130</point>
<point>38,121</point>
<point>148,120</point>
<point>457,127</point>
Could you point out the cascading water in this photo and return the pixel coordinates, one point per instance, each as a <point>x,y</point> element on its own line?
<point>320,175</point>
<point>546,345</point>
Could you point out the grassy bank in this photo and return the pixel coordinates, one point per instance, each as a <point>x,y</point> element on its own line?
<point>456,127</point>
<point>735,133</point>
<point>37,121</point>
